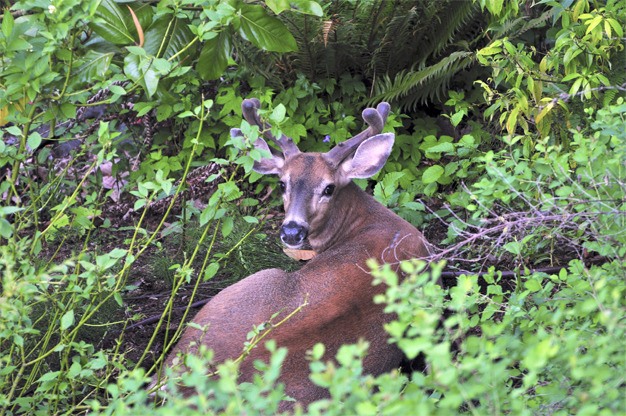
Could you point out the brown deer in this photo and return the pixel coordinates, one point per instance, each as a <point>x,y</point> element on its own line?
<point>345,227</point>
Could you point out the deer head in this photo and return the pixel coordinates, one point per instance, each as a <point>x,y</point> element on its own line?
<point>310,182</point>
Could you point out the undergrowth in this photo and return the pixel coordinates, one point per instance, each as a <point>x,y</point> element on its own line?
<point>513,140</point>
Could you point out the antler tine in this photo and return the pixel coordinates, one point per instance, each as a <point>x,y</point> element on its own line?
<point>249,108</point>
<point>383,109</point>
<point>375,118</point>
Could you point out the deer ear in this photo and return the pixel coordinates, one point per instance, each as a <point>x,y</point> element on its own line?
<point>370,156</point>
<point>269,165</point>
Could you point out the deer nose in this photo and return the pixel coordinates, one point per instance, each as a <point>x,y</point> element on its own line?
<point>293,234</point>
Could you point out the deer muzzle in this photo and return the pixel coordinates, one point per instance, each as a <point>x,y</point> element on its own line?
<point>293,234</point>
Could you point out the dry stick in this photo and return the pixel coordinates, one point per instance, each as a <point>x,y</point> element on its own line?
<point>514,273</point>
<point>156,318</point>
<point>506,225</point>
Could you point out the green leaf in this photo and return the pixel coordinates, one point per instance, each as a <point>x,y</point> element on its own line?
<point>118,299</point>
<point>97,363</point>
<point>441,148</point>
<point>538,355</point>
<point>544,111</point>
<point>139,69</point>
<point>34,140</point>
<point>533,285</point>
<point>265,31</point>
<point>18,340</point>
<point>456,118</point>
<point>137,50</point>
<point>489,50</point>
<point>118,253</point>
<point>211,270</point>
<point>95,67</point>
<point>513,247</point>
<point>67,320</point>
<point>251,220</point>
<point>168,36</point>
<point>52,375</point>
<point>213,59</point>
<point>6,229</point>
<point>18,44</point>
<point>494,6</point>
<point>511,122</point>
<point>116,89</point>
<point>431,174</point>
<point>14,130</point>
<point>298,6</point>
<point>571,76</point>
<point>143,108</point>
<point>68,110</point>
<point>227,226</point>
<point>110,23</point>
<point>592,25</point>
<point>9,210</point>
<point>278,115</point>
<point>74,370</point>
<point>619,31</point>
<point>7,24</point>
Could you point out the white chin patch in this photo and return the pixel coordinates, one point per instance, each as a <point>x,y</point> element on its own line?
<point>292,247</point>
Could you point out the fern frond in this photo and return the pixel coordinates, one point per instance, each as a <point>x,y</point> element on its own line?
<point>508,27</point>
<point>255,60</point>
<point>442,34</point>
<point>409,88</point>
<point>517,27</point>
<point>419,33</point>
<point>385,54</point>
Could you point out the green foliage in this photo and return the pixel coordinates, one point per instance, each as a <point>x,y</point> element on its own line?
<point>588,175</point>
<point>172,76</point>
<point>218,395</point>
<point>45,312</point>
<point>240,249</point>
<point>546,345</point>
<point>360,39</point>
<point>429,83</point>
<point>586,38</point>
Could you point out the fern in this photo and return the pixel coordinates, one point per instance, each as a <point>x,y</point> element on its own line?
<point>255,60</point>
<point>407,52</point>
<point>517,27</point>
<point>385,55</point>
<point>410,88</point>
<point>442,34</point>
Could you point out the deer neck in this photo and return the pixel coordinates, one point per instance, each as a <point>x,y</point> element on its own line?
<point>352,210</point>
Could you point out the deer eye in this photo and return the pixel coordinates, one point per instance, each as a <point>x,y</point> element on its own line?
<point>282,186</point>
<point>328,191</point>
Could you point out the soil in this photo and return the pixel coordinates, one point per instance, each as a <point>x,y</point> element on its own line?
<point>135,324</point>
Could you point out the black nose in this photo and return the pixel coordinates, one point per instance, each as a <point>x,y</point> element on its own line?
<point>293,234</point>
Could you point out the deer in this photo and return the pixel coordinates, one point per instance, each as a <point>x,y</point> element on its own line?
<point>344,226</point>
